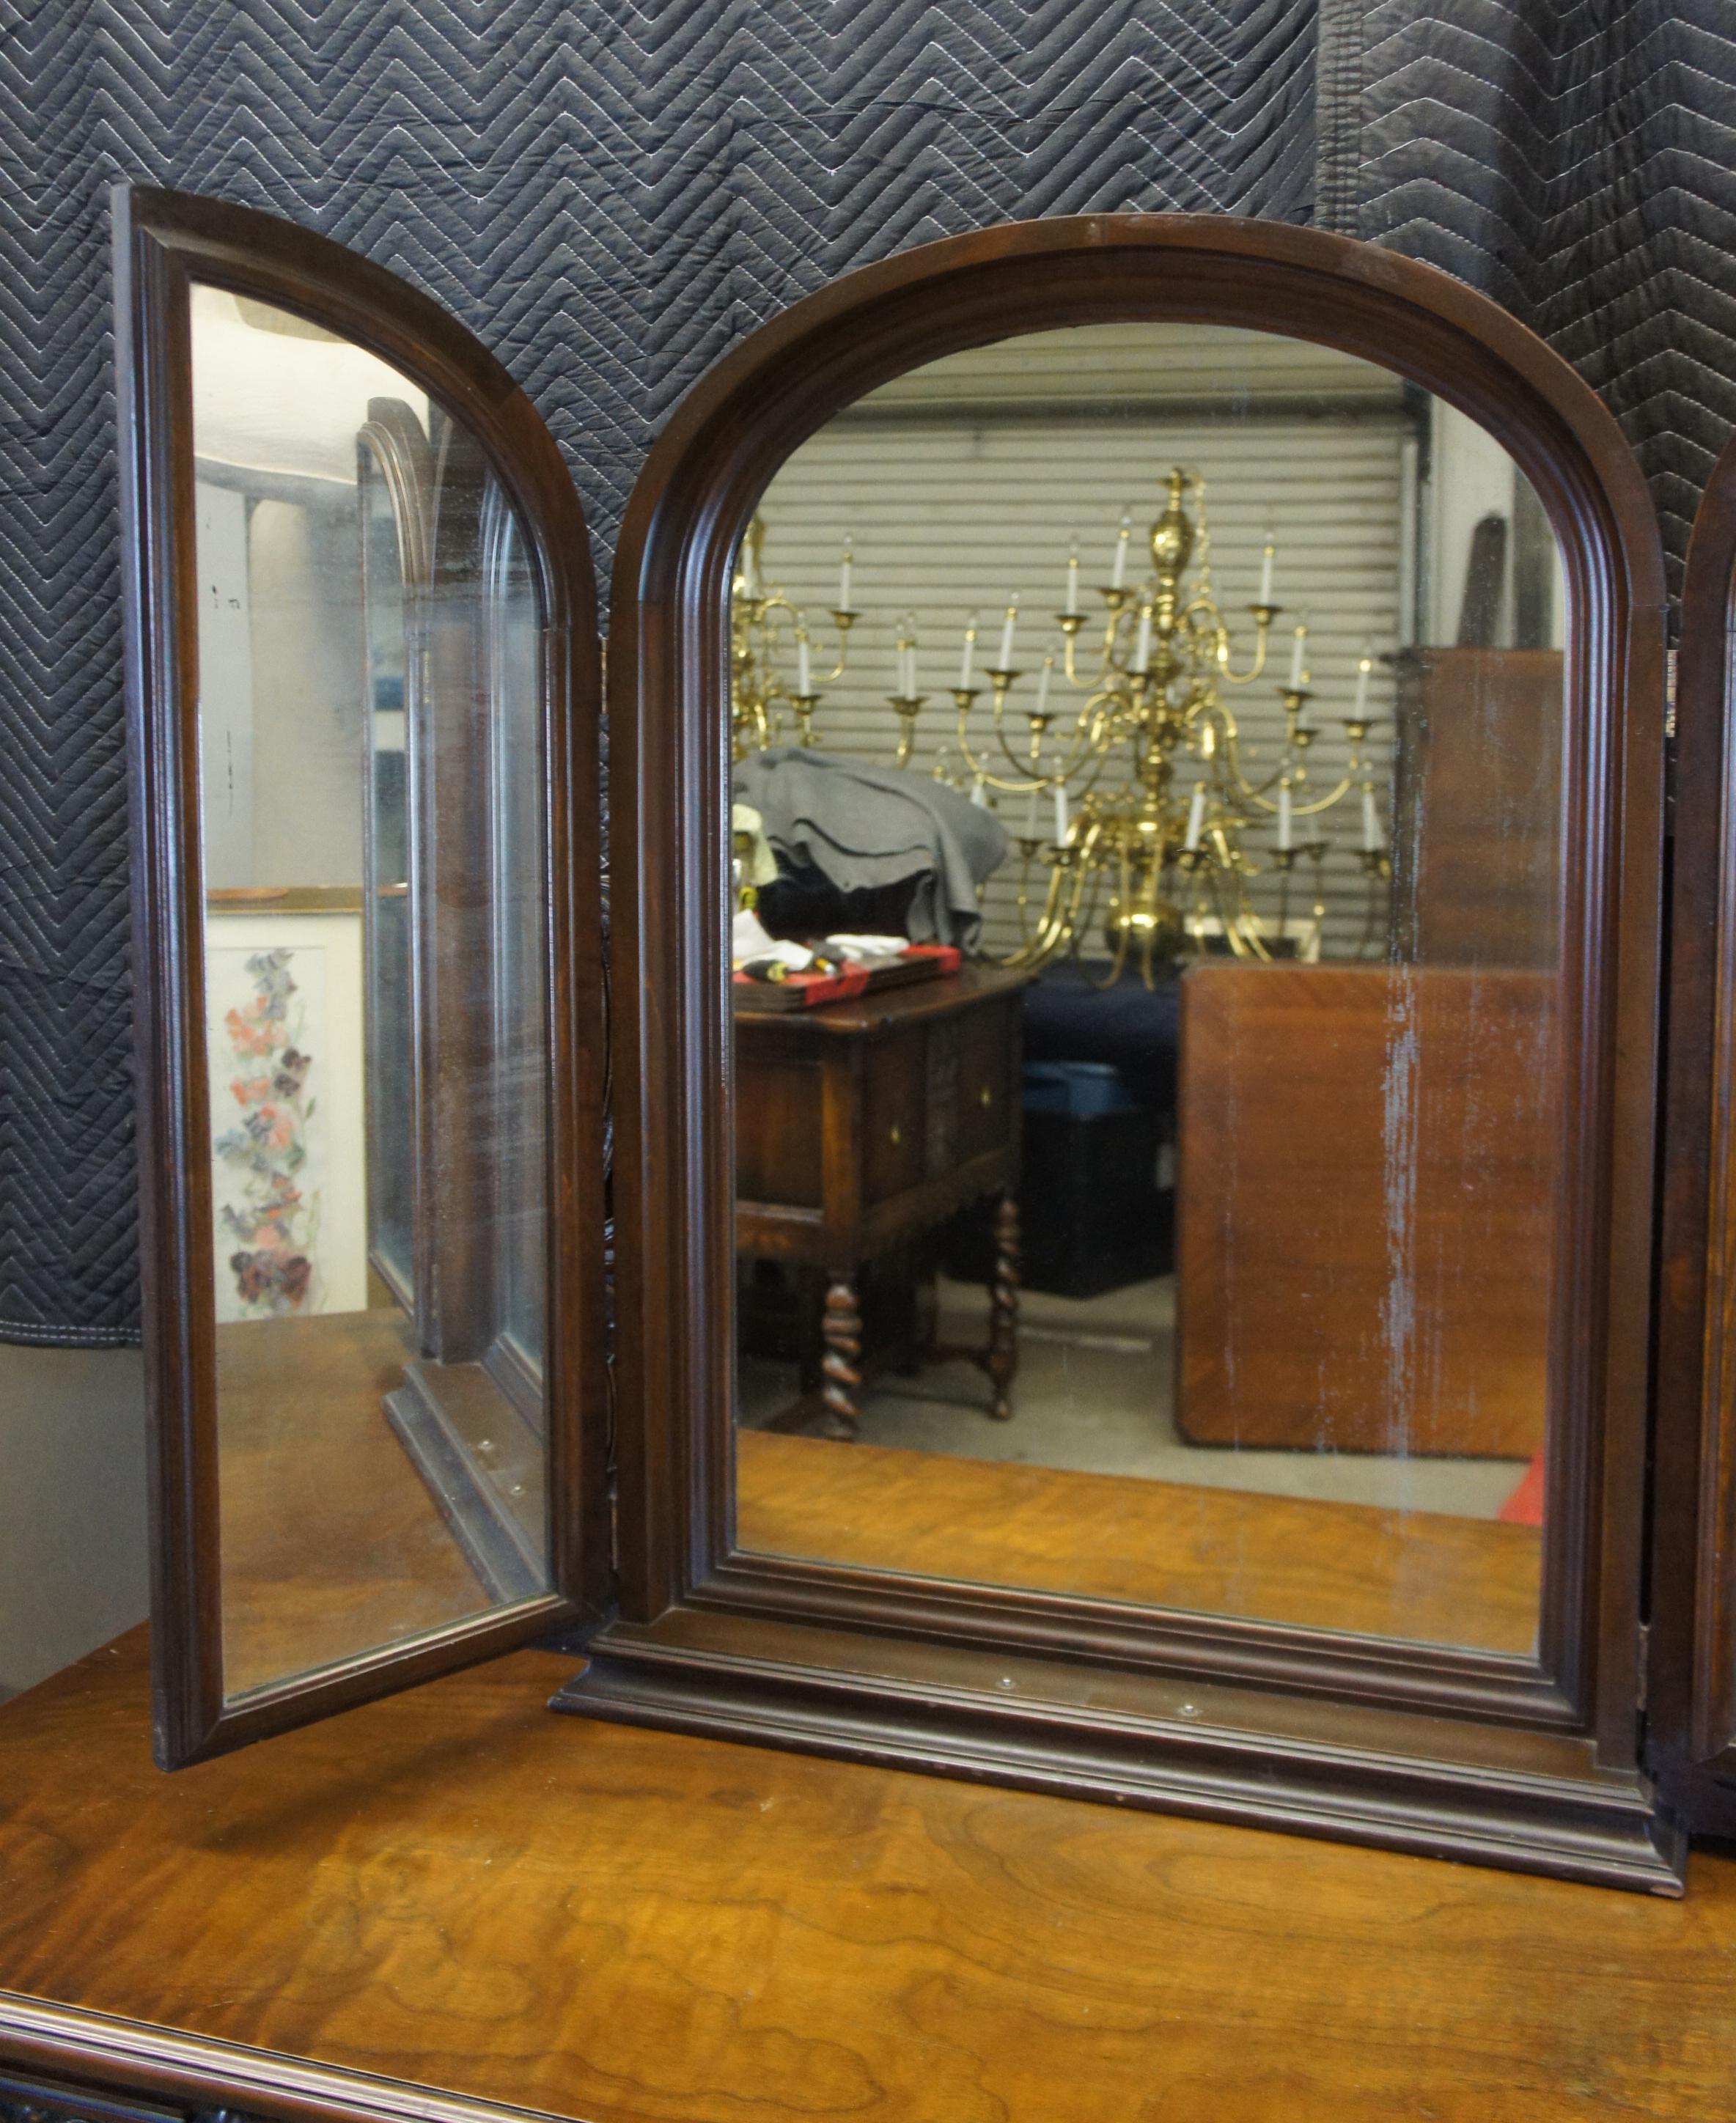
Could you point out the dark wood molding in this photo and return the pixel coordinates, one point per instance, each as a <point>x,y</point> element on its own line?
<point>164,242</point>
<point>1172,1745</point>
<point>666,681</point>
<point>1693,1693</point>
<point>100,2057</point>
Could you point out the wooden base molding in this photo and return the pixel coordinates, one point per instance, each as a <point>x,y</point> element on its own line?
<point>1521,1800</point>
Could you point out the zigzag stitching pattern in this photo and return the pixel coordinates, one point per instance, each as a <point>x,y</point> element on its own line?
<point>1570,157</point>
<point>608,194</point>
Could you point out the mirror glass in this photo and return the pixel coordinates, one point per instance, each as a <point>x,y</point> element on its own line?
<point>1148,830</point>
<point>372,774</point>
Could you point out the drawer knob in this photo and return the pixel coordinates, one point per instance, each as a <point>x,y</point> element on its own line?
<point>897,1132</point>
<point>987,1096</point>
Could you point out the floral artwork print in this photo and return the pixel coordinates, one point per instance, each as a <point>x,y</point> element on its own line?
<point>268,1214</point>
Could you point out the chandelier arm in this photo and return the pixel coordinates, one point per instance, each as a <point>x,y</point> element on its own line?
<point>1370,917</point>
<point>1031,779</point>
<point>1262,635</point>
<point>1118,960</point>
<point>1229,925</point>
<point>1229,750</point>
<point>1325,803</point>
<point>1072,881</point>
<point>1032,952</point>
<point>1105,655</point>
<point>1027,786</point>
<point>843,631</point>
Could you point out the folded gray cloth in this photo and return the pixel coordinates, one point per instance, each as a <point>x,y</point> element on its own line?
<point>866,826</point>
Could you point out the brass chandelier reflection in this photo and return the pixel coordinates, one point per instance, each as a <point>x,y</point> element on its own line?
<point>1143,824</point>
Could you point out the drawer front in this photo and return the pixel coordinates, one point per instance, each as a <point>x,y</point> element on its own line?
<point>43,2101</point>
<point>895,1122</point>
<point>777,1132</point>
<point>989,1056</point>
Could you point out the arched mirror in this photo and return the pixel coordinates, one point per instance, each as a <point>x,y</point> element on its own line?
<point>367,841</point>
<point>1168,1214</point>
<point>1143,1260</point>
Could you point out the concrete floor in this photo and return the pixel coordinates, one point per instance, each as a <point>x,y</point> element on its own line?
<point>1096,1393</point>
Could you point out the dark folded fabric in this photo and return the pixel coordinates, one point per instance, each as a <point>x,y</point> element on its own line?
<point>868,828</point>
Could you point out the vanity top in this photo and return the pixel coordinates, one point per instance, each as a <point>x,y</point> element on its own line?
<point>452,1903</point>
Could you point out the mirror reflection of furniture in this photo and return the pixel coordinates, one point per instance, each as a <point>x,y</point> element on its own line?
<point>860,1127</point>
<point>1322,1307</point>
<point>1435,1575</point>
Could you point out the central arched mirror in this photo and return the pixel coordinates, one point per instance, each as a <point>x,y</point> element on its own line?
<point>1150,919</point>
<point>1136,866</point>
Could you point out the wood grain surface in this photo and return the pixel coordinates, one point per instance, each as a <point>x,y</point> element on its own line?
<point>1368,1160</point>
<point>1327,1565</point>
<point>454,1888</point>
<point>1477,826</point>
<point>331,1543</point>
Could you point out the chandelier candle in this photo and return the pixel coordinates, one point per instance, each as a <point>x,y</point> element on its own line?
<point>1371,821</point>
<point>1298,649</point>
<point>1072,582</point>
<point>1006,633</point>
<point>1117,580</point>
<point>969,656</point>
<point>843,578</point>
<point>1266,559</point>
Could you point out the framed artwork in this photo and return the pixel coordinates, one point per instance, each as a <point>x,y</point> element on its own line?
<point>288,1166</point>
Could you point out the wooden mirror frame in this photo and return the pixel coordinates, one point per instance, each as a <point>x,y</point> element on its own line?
<point>1476,1754</point>
<point>1693,1698</point>
<point>164,242</point>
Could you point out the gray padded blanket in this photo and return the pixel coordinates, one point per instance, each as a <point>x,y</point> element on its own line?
<point>610,195</point>
<point>867,827</point>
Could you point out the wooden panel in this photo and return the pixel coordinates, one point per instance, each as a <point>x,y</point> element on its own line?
<point>989,1047</point>
<point>1476,840</point>
<point>1363,1237</point>
<point>777,1128</point>
<point>894,1096</point>
<point>1331,1566</point>
<point>1692,1727</point>
<point>455,1888</point>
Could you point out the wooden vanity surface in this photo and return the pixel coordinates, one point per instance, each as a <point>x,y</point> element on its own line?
<point>1214,1551</point>
<point>457,1890</point>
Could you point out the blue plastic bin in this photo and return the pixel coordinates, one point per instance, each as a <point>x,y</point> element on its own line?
<point>1079,1090</point>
